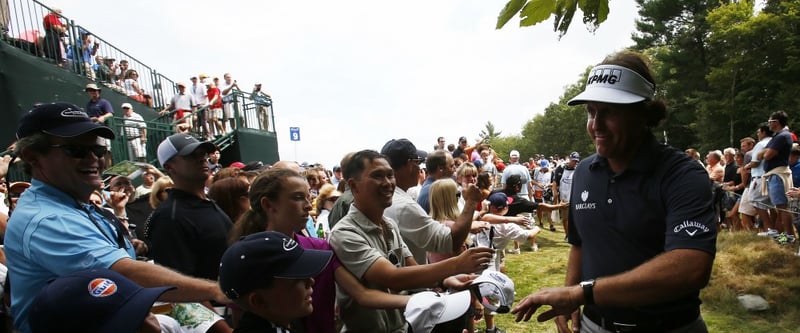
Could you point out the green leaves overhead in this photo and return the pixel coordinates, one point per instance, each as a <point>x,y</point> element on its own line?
<point>532,12</point>
<point>536,11</point>
<point>511,9</point>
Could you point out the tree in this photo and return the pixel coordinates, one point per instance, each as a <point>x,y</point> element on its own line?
<point>753,71</point>
<point>532,12</point>
<point>488,135</point>
<point>673,34</point>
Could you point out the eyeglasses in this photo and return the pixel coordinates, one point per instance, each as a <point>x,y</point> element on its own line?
<point>771,121</point>
<point>78,151</point>
<point>417,161</point>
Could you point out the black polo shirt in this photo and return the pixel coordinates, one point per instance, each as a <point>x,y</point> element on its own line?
<point>661,202</point>
<point>189,234</point>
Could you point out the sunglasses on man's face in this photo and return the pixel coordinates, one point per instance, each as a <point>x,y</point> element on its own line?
<point>80,151</point>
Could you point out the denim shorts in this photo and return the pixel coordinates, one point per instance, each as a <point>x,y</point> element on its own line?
<point>777,192</point>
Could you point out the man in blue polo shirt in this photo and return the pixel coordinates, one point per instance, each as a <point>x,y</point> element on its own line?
<point>55,230</point>
<point>642,228</point>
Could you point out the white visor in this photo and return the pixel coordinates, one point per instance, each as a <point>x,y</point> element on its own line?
<point>614,84</point>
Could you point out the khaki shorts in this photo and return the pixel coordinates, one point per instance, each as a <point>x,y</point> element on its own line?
<point>745,206</point>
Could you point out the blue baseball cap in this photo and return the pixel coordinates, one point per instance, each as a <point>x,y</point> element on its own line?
<point>59,119</point>
<point>257,259</point>
<point>92,300</point>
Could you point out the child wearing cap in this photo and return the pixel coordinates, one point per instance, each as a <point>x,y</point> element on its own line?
<point>269,276</point>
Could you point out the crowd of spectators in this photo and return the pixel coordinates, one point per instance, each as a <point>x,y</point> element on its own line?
<point>363,242</point>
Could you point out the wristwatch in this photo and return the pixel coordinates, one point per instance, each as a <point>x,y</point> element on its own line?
<point>588,291</point>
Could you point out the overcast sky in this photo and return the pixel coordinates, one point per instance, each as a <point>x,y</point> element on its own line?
<point>354,74</point>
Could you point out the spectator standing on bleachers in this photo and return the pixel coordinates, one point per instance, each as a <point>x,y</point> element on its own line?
<point>263,103</point>
<point>182,104</point>
<point>86,49</point>
<point>214,111</point>
<point>102,69</point>
<point>99,109</point>
<point>54,29</point>
<point>131,86</point>
<point>135,133</point>
<point>226,89</point>
<point>198,90</point>
<point>119,74</point>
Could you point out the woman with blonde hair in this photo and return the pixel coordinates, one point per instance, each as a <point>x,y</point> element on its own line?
<point>444,208</point>
<point>159,190</point>
<point>327,196</point>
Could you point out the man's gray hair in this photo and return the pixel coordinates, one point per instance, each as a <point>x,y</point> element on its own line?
<point>37,142</point>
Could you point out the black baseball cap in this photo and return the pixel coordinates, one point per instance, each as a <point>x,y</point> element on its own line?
<point>400,150</point>
<point>181,144</point>
<point>513,180</point>
<point>59,119</point>
<point>255,260</point>
<point>92,300</point>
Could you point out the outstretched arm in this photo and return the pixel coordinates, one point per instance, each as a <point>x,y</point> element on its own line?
<point>367,297</point>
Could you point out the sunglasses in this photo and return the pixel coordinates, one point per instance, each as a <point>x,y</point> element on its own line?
<point>79,151</point>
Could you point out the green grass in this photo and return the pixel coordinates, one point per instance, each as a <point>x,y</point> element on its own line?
<point>745,264</point>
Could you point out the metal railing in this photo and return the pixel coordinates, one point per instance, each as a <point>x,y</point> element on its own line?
<point>21,25</point>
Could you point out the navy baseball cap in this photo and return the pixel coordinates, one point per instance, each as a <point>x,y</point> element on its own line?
<point>400,150</point>
<point>255,260</point>
<point>181,144</point>
<point>59,119</point>
<point>92,300</point>
<point>499,200</point>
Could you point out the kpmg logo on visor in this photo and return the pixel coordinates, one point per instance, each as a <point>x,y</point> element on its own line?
<point>604,75</point>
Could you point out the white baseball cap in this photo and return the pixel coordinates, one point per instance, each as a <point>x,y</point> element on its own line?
<point>514,153</point>
<point>127,106</point>
<point>615,84</point>
<point>426,309</point>
<point>496,291</point>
